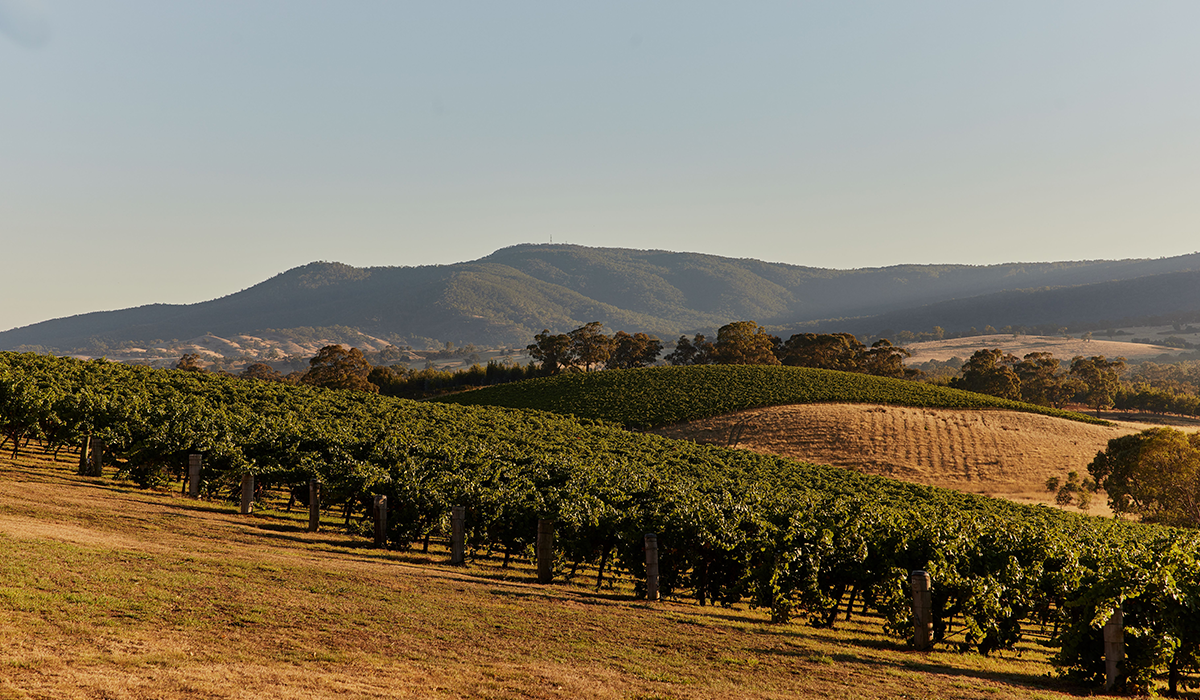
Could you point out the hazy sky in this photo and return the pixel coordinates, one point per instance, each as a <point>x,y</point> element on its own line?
<point>178,151</point>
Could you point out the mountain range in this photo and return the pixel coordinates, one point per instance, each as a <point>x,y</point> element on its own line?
<point>508,296</point>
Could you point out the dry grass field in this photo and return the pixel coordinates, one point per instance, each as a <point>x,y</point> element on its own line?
<point>1020,345</point>
<point>998,453</point>
<point>108,591</point>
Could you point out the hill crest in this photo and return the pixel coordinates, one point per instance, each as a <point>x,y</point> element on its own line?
<point>515,292</point>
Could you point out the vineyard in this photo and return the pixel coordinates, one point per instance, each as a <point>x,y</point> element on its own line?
<point>657,396</point>
<point>801,541</point>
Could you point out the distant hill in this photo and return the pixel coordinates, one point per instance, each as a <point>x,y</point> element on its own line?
<point>1110,304</point>
<point>515,292</point>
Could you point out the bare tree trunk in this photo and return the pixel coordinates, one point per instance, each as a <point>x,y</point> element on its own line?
<point>603,563</point>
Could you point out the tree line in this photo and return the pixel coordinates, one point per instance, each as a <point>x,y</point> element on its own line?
<point>738,343</point>
<point>588,348</point>
<point>337,367</point>
<point>1161,388</point>
<point>1098,382</point>
<point>1039,378</point>
<point>1148,399</point>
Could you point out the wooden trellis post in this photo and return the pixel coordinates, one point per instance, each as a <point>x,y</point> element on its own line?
<point>83,456</point>
<point>96,463</point>
<point>314,505</point>
<point>545,551</point>
<point>458,535</point>
<point>194,461</point>
<point>247,494</point>
<point>652,567</point>
<point>922,606</point>
<point>1114,648</point>
<point>381,522</point>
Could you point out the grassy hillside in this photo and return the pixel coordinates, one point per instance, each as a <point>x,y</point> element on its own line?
<point>110,591</point>
<point>656,396</point>
<point>1006,454</point>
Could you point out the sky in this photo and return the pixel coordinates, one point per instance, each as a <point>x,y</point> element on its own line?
<point>174,152</point>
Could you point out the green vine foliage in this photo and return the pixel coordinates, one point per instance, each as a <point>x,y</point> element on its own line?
<point>655,396</point>
<point>799,540</point>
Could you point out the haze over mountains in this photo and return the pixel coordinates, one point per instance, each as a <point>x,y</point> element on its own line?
<point>510,295</point>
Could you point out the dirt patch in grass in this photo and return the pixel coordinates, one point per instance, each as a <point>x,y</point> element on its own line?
<point>111,592</point>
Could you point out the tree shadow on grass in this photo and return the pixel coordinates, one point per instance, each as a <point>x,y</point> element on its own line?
<point>907,659</point>
<point>196,506</point>
<point>287,532</point>
<point>726,615</point>
<point>1155,418</point>
<point>300,536</point>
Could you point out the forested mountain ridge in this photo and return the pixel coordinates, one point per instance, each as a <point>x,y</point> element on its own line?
<point>506,297</point>
<point>1115,303</point>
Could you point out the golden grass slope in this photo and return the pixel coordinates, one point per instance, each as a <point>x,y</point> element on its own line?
<point>108,591</point>
<point>994,452</point>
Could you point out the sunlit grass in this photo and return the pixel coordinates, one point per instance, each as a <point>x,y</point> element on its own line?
<point>110,591</point>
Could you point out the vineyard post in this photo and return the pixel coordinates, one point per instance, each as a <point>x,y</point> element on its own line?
<point>314,505</point>
<point>83,455</point>
<point>651,566</point>
<point>247,494</point>
<point>545,551</point>
<point>458,534</point>
<point>96,466</point>
<point>922,607</point>
<point>381,522</point>
<point>1114,648</point>
<point>194,475</point>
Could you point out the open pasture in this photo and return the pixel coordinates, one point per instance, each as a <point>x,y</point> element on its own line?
<point>1064,348</point>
